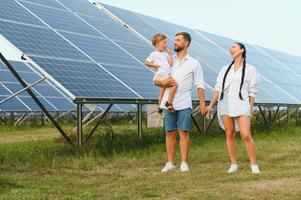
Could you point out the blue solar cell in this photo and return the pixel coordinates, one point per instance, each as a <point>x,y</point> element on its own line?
<point>84,79</point>
<point>263,96</point>
<point>67,21</point>
<point>43,90</point>
<point>221,41</point>
<point>284,98</point>
<point>39,41</point>
<point>267,67</point>
<point>13,104</point>
<point>3,91</point>
<point>289,61</point>
<point>61,104</point>
<point>83,7</point>
<point>113,29</point>
<point>6,76</point>
<point>163,26</point>
<point>139,50</point>
<point>138,78</point>
<point>295,66</point>
<point>136,21</point>
<point>34,107</point>
<point>12,11</point>
<point>51,3</point>
<point>127,16</point>
<point>102,50</point>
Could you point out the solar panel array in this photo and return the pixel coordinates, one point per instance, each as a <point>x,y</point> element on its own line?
<point>91,53</point>
<point>211,50</point>
<point>48,94</point>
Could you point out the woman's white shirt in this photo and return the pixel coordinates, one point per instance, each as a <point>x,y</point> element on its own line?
<point>236,106</point>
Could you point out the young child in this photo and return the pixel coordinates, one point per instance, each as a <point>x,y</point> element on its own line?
<point>161,60</point>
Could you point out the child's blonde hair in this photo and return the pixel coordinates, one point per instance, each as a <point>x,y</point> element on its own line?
<point>158,38</point>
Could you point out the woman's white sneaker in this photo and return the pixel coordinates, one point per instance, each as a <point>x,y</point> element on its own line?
<point>184,167</point>
<point>255,169</point>
<point>233,168</point>
<point>168,166</point>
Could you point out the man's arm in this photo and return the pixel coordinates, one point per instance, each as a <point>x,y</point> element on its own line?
<point>200,84</point>
<point>201,94</point>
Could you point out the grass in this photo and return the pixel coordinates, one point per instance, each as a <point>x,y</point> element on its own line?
<point>123,167</point>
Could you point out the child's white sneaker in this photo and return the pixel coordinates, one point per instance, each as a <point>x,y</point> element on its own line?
<point>168,166</point>
<point>233,168</point>
<point>255,169</point>
<point>184,167</point>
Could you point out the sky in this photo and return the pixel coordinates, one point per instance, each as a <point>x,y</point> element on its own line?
<point>274,24</point>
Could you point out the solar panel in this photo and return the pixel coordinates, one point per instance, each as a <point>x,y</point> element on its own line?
<point>149,29</point>
<point>268,68</point>
<point>139,80</point>
<point>91,54</point>
<point>51,3</point>
<point>287,61</point>
<point>50,50</point>
<point>84,79</point>
<point>12,11</point>
<point>51,97</point>
<point>39,41</point>
<point>67,21</point>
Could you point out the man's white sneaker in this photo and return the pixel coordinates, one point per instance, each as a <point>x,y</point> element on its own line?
<point>184,167</point>
<point>168,166</point>
<point>255,169</point>
<point>233,168</point>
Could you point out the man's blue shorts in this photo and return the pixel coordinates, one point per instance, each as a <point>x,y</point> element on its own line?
<point>180,119</point>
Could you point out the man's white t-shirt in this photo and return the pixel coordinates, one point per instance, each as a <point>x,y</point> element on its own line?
<point>185,73</point>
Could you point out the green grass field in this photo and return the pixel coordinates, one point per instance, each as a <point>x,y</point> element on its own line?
<point>126,168</point>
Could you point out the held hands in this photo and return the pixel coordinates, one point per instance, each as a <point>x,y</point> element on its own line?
<point>209,108</point>
<point>204,110</point>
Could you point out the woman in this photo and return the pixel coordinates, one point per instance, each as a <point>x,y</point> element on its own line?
<point>235,88</point>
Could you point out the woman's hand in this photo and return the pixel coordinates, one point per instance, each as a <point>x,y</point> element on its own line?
<point>203,110</point>
<point>209,108</point>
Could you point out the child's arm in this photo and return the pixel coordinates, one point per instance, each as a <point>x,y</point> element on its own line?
<point>170,58</point>
<point>149,64</point>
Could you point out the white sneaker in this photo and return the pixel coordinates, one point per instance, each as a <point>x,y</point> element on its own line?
<point>168,166</point>
<point>233,168</point>
<point>255,169</point>
<point>184,167</point>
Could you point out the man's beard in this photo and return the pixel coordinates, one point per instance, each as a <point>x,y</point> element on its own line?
<point>178,49</point>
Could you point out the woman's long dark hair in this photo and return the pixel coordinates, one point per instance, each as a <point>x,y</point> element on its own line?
<point>242,46</point>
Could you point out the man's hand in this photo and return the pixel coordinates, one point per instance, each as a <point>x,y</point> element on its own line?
<point>203,110</point>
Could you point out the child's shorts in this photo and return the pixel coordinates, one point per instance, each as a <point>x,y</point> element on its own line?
<point>160,77</point>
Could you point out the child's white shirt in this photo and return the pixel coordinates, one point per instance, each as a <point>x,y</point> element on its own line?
<point>161,59</point>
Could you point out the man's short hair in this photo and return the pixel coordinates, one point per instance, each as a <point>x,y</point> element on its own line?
<point>186,36</point>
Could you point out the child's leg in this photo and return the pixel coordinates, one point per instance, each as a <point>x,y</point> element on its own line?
<point>162,90</point>
<point>172,92</point>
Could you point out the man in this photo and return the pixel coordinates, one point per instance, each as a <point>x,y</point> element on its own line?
<point>186,70</point>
